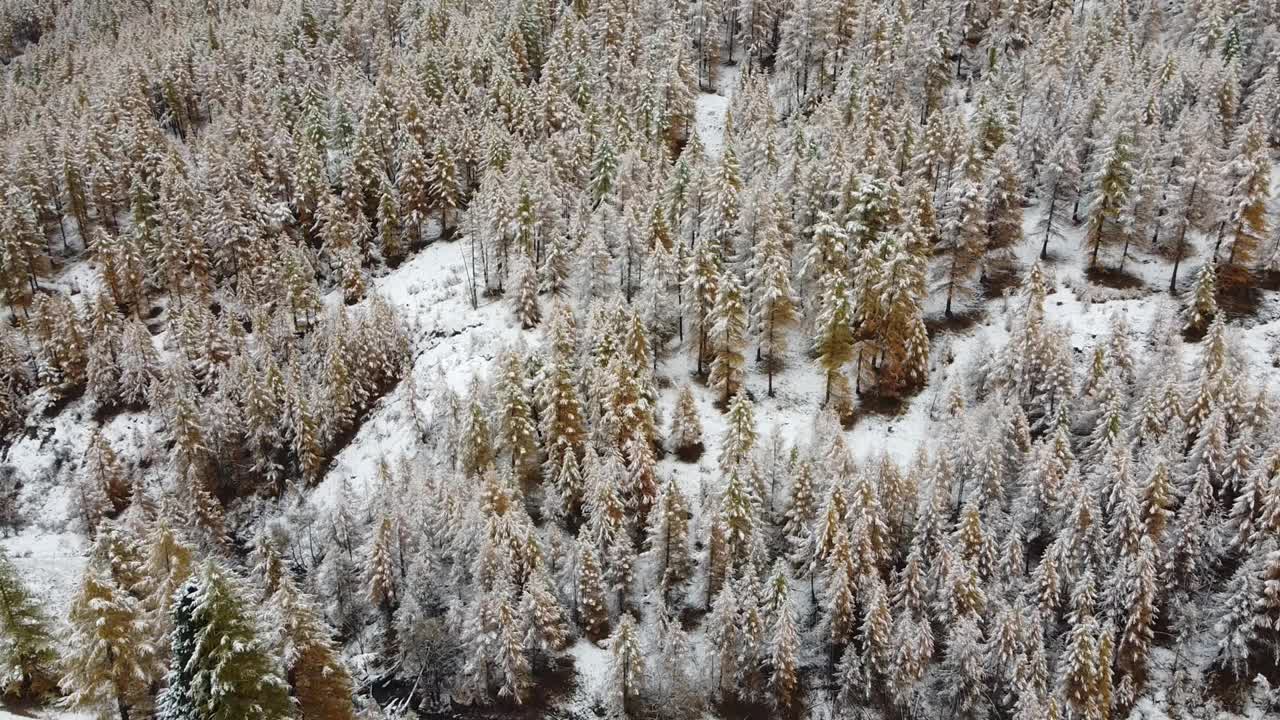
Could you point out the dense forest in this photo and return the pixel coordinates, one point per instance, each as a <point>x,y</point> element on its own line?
<point>875,359</point>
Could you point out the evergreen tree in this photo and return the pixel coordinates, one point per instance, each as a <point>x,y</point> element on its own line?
<point>28,660</point>
<point>1111,182</point>
<point>593,613</point>
<point>740,435</point>
<point>773,308</point>
<point>562,420</point>
<point>903,337</point>
<point>627,662</point>
<point>1248,193</point>
<point>111,663</point>
<point>703,279</point>
<point>785,646</point>
<point>729,326</point>
<point>517,432</point>
<point>963,238</point>
<point>667,537</point>
<point>686,427</point>
<point>1203,307</point>
<point>1058,189</point>
<point>526,297</point>
<point>382,576</point>
<point>547,628</point>
<point>833,337</point>
<point>220,667</point>
<point>1192,201</point>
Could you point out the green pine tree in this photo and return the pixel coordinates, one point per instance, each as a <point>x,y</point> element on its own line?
<point>221,668</point>
<point>27,657</point>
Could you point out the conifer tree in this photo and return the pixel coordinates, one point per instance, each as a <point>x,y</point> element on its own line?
<point>667,537</point>
<point>414,185</point>
<point>1058,189</point>
<point>723,632</point>
<point>526,297</point>
<point>729,326</point>
<point>686,427</point>
<point>91,502</point>
<point>773,308</point>
<point>383,590</point>
<point>1192,201</point>
<point>517,432</point>
<point>903,338</point>
<point>963,234</point>
<point>703,279</point>
<point>593,613</point>
<point>1004,212</point>
<point>111,663</point>
<point>963,663</point>
<point>220,667</point>
<point>1203,307</point>
<point>1111,183</point>
<point>785,645</point>
<point>833,337</point>
<point>446,183</point>
<point>547,627</point>
<point>166,565</point>
<point>28,660</point>
<point>626,662</point>
<point>477,449</point>
<point>562,419</point>
<point>388,215</point>
<point>510,658</point>
<point>740,435</point>
<point>1248,193</point>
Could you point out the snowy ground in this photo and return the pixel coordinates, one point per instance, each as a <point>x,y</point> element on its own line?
<point>41,715</point>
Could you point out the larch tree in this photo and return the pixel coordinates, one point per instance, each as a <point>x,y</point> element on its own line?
<point>703,280</point>
<point>904,338</point>
<point>667,537</point>
<point>1203,307</point>
<point>563,423</point>
<point>784,647</point>
<point>112,661</point>
<point>1111,183</point>
<point>963,237</point>
<point>686,427</point>
<point>221,667</point>
<point>28,660</point>
<point>526,297</point>
<point>729,327</point>
<point>626,668</point>
<point>414,185</point>
<point>317,677</point>
<point>1058,187</point>
<point>1004,212</point>
<point>517,431</point>
<point>773,309</point>
<point>1194,195</point>
<point>833,340</point>
<point>593,612</point>
<point>382,577</point>
<point>446,181</point>
<point>1248,193</point>
<point>740,435</point>
<point>477,446</point>
<point>547,627</point>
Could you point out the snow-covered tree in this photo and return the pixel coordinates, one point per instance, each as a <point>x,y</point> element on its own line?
<point>111,663</point>
<point>221,666</point>
<point>28,660</point>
